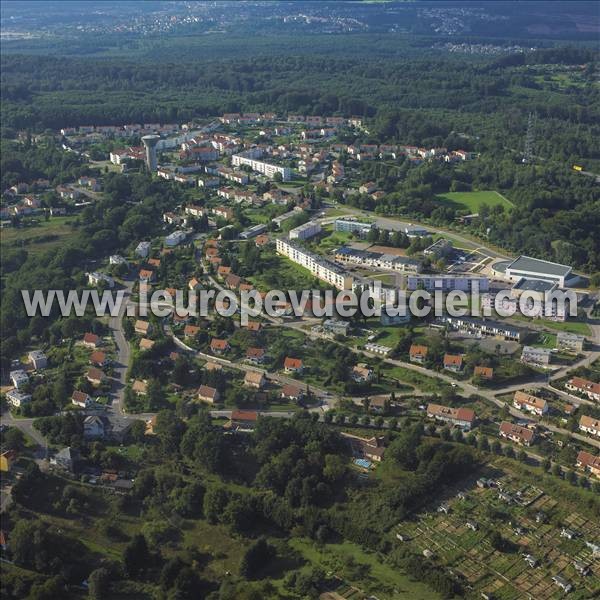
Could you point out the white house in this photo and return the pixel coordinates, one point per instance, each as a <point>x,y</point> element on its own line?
<point>19,378</point>
<point>38,359</point>
<point>17,399</point>
<point>175,238</point>
<point>143,249</point>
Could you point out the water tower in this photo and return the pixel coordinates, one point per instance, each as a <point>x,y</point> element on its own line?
<point>150,142</point>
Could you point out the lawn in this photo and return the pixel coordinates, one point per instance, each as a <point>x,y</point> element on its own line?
<point>38,237</point>
<point>472,201</point>
<point>332,557</point>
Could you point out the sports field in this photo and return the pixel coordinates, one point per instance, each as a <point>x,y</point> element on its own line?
<point>472,201</point>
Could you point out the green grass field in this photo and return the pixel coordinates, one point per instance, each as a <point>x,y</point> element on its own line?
<point>44,235</point>
<point>472,201</point>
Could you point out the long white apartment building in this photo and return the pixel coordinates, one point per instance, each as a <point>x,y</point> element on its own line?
<point>446,283</point>
<point>250,158</point>
<point>305,231</point>
<point>320,267</point>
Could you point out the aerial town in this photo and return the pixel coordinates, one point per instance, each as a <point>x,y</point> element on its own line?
<point>306,454</point>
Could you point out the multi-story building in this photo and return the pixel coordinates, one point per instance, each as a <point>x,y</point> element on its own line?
<point>570,342</point>
<point>539,357</point>
<point>322,268</point>
<point>446,283</point>
<point>268,169</point>
<point>378,260</point>
<point>353,226</point>
<point>305,231</point>
<point>481,327</point>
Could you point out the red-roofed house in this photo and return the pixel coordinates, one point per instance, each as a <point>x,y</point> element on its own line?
<point>516,433</point>
<point>418,353</point>
<point>588,462</point>
<point>255,355</point>
<point>208,394</point>
<point>458,417</point>
<point>219,346</point>
<point>91,340</point>
<point>453,362</point>
<point>243,419</point>
<point>293,365</point>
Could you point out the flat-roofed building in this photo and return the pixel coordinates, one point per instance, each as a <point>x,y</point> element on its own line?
<point>446,283</point>
<point>322,268</point>
<point>305,231</point>
<point>539,357</point>
<point>570,342</point>
<point>534,268</point>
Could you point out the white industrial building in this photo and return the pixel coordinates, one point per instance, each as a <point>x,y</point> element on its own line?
<point>534,268</point>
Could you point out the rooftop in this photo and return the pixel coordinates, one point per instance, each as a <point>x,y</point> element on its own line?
<point>535,265</point>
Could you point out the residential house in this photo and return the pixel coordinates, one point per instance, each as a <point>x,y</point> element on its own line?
<point>142,327</point>
<point>243,419</point>
<point>232,281</point>
<point>293,365</point>
<point>292,392</point>
<point>81,399</point>
<point>570,342</point>
<point>96,278</point>
<point>515,433</point>
<point>93,427</point>
<point>584,387</point>
<point>95,376</point>
<point>208,394</point>
<point>98,359</point>
<point>418,353</point>
<point>143,249</point>
<point>146,344</point>
<point>483,372</point>
<point>193,284</point>
<point>453,362</point>
<point>218,346</point>
<point>191,331</point>
<point>66,459</point>
<point>255,355</point>
<point>17,398</point>
<point>7,460</point>
<point>175,238</point>
<point>589,425</point>
<point>457,417</point>
<point>38,359</point>
<point>372,448</point>
<point>91,340</point>
<point>253,326</point>
<point>361,373</point>
<point>588,462</point>
<point>532,404</point>
<point>539,357</point>
<point>19,378</point>
<point>255,379</point>
<point>139,387</point>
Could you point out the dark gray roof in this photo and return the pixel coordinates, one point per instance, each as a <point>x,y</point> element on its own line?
<point>535,265</point>
<point>534,285</point>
